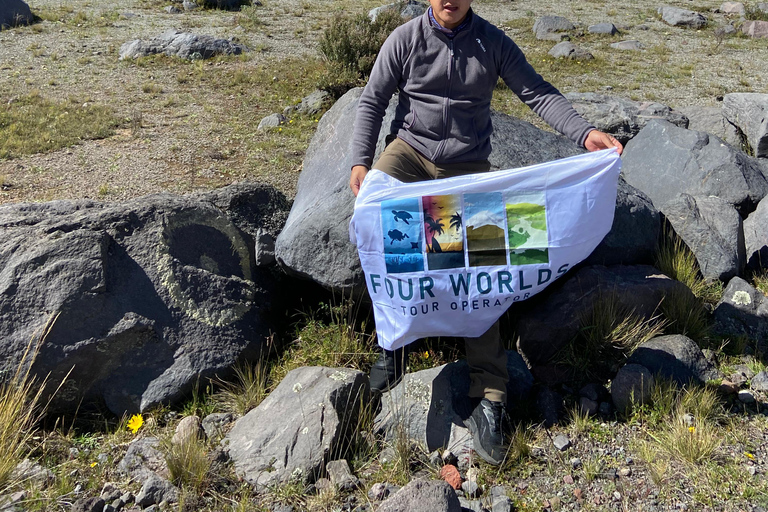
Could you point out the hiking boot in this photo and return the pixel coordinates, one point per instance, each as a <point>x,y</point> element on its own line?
<point>388,369</point>
<point>486,424</point>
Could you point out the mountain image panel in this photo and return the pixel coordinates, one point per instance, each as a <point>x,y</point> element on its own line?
<point>528,256</point>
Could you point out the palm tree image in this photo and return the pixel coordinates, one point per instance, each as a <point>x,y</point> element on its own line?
<point>456,221</point>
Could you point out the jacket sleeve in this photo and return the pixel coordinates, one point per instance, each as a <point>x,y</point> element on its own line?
<point>541,96</point>
<point>382,84</point>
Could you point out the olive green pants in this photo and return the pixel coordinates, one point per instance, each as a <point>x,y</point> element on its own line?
<point>486,355</point>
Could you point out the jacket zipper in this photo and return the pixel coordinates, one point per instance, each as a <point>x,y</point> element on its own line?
<point>446,103</point>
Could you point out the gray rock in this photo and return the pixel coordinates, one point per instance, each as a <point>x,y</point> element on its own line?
<point>545,26</point>
<point>561,442</point>
<point>272,121</point>
<point>470,505</point>
<point>314,103</point>
<point>553,318</point>
<point>755,28</point>
<point>423,496</point>
<point>153,294</point>
<point>172,10</point>
<point>155,490</point>
<point>762,7</point>
<point>712,229</point>
<point>432,404</point>
<point>214,424</point>
<point>189,5</point>
<point>471,489</point>
<point>409,9</point>
<point>184,45</point>
<point>568,50</point>
<point>628,45</point>
<point>682,17</point>
<point>315,241</point>
<point>381,491</point>
<point>675,357</point>
<point>341,476</point>
<point>749,112</point>
<point>227,5</point>
<point>88,505</point>
<point>664,160</point>
<point>32,473</point>
<point>188,429</point>
<point>634,234</point>
<point>756,236</point>
<point>594,391</point>
<point>110,492</point>
<point>316,407</point>
<point>588,406</point>
<point>14,13</point>
<point>632,385</point>
<point>500,501</point>
<point>732,8</point>
<point>9,502</point>
<point>621,117</point>
<point>603,28</point>
<point>743,311</point>
<point>712,121</point>
<point>143,460</point>
<point>759,382</point>
<point>549,406</point>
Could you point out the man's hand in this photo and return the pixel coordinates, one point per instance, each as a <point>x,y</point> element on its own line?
<point>357,177</point>
<point>597,140</point>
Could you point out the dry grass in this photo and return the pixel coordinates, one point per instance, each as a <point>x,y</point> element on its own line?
<point>676,260</point>
<point>250,388</point>
<point>188,463</point>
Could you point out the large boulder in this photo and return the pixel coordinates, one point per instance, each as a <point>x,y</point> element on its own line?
<point>14,13</point>
<point>681,17</point>
<point>712,229</point>
<point>432,404</point>
<point>749,111</point>
<point>409,9</point>
<point>755,28</point>
<point>551,27</point>
<point>756,237</point>
<point>621,117</point>
<point>315,241</point>
<point>664,160</point>
<point>148,296</point>
<point>553,318</point>
<point>743,311</point>
<point>634,234</point>
<point>674,357</point>
<point>293,432</point>
<point>713,121</point>
<point>185,45</point>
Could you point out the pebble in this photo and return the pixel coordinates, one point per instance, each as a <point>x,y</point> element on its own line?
<point>578,493</point>
<point>576,463</point>
<point>471,489</point>
<point>625,472</point>
<point>450,474</point>
<point>568,480</point>
<point>616,496</point>
<point>562,442</point>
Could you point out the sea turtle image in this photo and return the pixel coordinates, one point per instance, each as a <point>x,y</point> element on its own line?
<point>395,235</point>
<point>402,215</point>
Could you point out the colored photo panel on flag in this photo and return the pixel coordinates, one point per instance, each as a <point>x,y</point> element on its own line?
<point>443,231</point>
<point>527,228</point>
<point>485,229</point>
<point>401,229</point>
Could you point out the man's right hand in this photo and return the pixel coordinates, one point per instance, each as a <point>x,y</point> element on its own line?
<point>357,177</point>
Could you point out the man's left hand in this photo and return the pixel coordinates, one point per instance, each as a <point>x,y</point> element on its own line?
<point>597,140</point>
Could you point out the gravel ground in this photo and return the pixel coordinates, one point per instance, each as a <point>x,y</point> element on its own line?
<point>173,150</point>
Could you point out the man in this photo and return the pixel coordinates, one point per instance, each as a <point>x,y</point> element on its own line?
<point>445,66</point>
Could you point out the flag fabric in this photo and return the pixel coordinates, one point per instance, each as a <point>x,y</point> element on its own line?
<point>448,257</point>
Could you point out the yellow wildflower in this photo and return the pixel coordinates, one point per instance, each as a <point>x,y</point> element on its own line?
<point>749,456</point>
<point>135,423</point>
<point>691,429</point>
<point>94,464</point>
<point>426,354</point>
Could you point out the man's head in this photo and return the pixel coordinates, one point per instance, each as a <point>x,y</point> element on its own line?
<point>450,13</point>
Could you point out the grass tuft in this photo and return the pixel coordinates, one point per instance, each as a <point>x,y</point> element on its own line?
<point>677,261</point>
<point>34,124</point>
<point>188,463</point>
<point>685,314</point>
<point>250,388</point>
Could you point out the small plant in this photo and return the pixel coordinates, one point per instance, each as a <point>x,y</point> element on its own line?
<point>581,423</point>
<point>103,190</point>
<point>685,314</point>
<point>251,386</point>
<point>187,462</point>
<point>676,260</point>
<point>760,279</point>
<point>201,404</point>
<point>152,88</point>
<point>690,440</point>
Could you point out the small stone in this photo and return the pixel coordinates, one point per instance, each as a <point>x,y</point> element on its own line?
<point>387,455</point>
<point>88,505</point>
<point>271,121</point>
<point>450,474</point>
<point>752,470</point>
<point>562,442</point>
<point>110,491</point>
<point>578,493</point>
<point>568,480</point>
<point>471,489</point>
<point>625,472</point>
<point>728,388</point>
<point>630,45</point>
<point>733,8</point>
<point>603,28</point>
<point>688,419</point>
<point>616,496</point>
<point>172,10</point>
<point>760,382</point>
<point>588,406</point>
<point>576,463</point>
<point>381,491</point>
<point>341,475</point>
<point>323,484</point>
<point>756,29</point>
<point>746,397</point>
<point>568,50</point>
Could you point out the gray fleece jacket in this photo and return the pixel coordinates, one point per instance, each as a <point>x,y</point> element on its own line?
<point>445,86</point>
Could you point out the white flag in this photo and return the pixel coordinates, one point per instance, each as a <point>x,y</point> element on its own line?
<point>448,257</point>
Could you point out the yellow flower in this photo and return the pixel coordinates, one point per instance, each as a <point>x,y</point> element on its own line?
<point>94,464</point>
<point>279,129</point>
<point>691,429</point>
<point>749,456</point>
<point>135,423</point>
<point>289,122</point>
<point>426,354</point>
